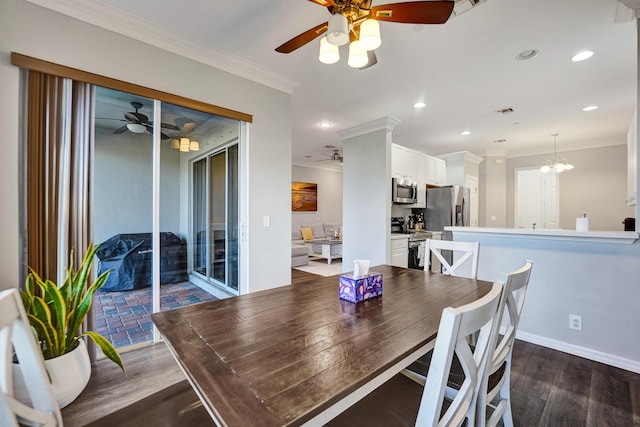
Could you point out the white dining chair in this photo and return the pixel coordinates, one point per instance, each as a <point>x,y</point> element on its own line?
<point>494,398</point>
<point>456,324</point>
<point>463,254</point>
<point>16,335</point>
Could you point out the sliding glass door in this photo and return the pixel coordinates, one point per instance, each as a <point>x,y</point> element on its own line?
<point>146,202</point>
<point>215,217</point>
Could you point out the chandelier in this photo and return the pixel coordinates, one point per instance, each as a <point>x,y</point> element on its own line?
<point>556,165</point>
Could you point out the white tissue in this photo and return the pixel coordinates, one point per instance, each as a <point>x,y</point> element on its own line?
<point>360,267</point>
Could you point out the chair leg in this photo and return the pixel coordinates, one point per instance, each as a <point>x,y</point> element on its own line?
<point>505,394</point>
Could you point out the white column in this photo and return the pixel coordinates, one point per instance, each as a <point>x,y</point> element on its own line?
<point>366,193</point>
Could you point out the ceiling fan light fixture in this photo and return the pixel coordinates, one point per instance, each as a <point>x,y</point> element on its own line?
<point>329,53</point>
<point>194,146</point>
<point>175,144</point>
<point>338,32</point>
<point>357,55</point>
<point>184,145</point>
<point>370,34</point>
<point>136,127</point>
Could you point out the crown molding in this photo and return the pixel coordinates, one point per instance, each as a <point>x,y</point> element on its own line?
<point>112,19</point>
<point>384,123</point>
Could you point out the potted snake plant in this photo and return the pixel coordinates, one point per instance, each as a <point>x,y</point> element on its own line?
<point>56,315</point>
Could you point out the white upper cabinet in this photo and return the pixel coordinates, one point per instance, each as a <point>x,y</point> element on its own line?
<point>435,170</point>
<point>409,163</point>
<point>441,172</point>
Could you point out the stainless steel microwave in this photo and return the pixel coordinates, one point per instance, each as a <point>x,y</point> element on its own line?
<point>403,192</point>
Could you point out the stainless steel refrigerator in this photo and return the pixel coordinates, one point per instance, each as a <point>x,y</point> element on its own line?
<point>446,206</point>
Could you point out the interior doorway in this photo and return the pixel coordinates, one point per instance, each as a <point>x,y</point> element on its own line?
<point>537,199</point>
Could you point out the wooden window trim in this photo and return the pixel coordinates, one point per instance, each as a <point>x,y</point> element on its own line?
<point>36,64</point>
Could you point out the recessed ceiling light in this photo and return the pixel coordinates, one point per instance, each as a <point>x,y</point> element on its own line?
<point>466,132</point>
<point>325,124</point>
<point>419,105</point>
<point>590,108</point>
<point>526,54</point>
<point>581,56</point>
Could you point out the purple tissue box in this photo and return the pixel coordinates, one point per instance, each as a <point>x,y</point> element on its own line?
<point>360,288</point>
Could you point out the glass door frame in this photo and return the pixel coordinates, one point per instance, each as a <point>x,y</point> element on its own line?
<point>208,277</point>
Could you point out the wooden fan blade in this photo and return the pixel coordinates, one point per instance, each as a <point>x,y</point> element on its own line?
<point>303,38</point>
<point>415,12</point>
<point>325,3</point>
<point>373,60</point>
<point>120,129</point>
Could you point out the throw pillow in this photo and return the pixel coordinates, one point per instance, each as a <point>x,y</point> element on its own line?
<point>307,233</point>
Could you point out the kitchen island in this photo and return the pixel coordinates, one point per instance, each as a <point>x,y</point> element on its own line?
<point>594,275</point>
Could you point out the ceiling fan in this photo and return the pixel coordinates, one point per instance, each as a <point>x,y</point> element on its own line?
<point>334,157</point>
<point>351,19</point>
<point>139,123</point>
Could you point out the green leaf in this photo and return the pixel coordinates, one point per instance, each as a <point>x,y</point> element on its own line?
<point>43,336</point>
<point>107,348</point>
<point>57,306</point>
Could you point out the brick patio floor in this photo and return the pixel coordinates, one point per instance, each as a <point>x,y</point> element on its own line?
<point>124,317</point>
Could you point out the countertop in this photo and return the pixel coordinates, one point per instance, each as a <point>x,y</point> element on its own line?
<point>624,237</point>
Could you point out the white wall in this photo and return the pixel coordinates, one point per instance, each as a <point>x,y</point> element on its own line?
<point>41,33</point>
<point>597,186</point>
<point>329,195</point>
<point>598,281</point>
<point>123,192</point>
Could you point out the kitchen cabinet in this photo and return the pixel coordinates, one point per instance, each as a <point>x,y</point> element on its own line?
<point>410,164</point>
<point>400,250</point>
<point>435,170</point>
<point>441,172</point>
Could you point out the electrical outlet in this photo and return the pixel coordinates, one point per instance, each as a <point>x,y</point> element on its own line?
<point>575,322</point>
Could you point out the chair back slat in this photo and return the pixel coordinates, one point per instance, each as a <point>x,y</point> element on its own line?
<point>462,253</point>
<point>16,335</point>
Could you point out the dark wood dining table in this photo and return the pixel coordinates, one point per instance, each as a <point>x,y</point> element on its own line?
<point>298,354</point>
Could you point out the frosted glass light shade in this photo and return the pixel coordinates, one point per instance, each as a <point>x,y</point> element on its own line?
<point>136,127</point>
<point>329,53</point>
<point>357,55</point>
<point>175,144</point>
<point>194,146</point>
<point>370,34</point>
<point>338,32</point>
<point>184,145</point>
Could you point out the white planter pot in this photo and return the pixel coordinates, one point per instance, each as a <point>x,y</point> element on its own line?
<point>69,375</point>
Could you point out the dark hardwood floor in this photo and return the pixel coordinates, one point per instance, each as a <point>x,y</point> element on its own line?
<point>549,388</point>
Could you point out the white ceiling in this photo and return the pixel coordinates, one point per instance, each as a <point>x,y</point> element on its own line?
<point>465,70</point>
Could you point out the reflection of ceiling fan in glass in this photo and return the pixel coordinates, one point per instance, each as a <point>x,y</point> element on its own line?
<point>139,123</point>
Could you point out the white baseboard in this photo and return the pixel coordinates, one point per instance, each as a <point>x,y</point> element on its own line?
<point>587,353</point>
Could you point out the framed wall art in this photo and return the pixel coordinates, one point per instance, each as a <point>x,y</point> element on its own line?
<point>304,197</point>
